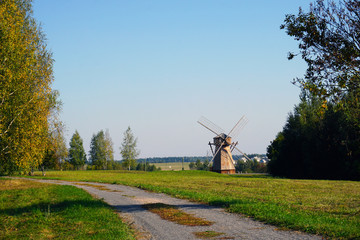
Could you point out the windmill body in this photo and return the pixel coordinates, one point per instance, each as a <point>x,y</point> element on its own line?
<point>223,161</point>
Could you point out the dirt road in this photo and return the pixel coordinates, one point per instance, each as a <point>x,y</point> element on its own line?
<point>128,201</point>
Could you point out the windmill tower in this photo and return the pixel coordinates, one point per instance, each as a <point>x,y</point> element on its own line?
<point>222,160</point>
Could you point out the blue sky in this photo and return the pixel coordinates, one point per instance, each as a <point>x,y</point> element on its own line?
<point>158,66</point>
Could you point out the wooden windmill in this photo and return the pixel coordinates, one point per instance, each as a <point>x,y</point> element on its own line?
<point>222,160</point>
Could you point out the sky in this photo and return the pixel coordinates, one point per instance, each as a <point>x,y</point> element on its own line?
<point>158,66</point>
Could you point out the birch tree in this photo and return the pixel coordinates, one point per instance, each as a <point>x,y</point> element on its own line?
<point>101,150</point>
<point>25,88</point>
<point>128,149</point>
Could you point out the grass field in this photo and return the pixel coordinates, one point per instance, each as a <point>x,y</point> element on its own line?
<point>328,208</point>
<point>172,166</point>
<point>31,210</point>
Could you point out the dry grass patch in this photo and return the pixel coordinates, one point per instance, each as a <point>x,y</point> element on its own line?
<point>19,184</point>
<point>207,234</point>
<point>172,213</point>
<point>100,187</point>
<point>124,195</point>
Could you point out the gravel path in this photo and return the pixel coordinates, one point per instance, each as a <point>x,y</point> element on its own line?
<point>128,201</point>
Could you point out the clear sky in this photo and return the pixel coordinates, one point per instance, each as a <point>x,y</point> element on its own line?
<point>158,66</point>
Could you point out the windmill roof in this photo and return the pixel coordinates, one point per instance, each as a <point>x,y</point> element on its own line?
<point>222,135</point>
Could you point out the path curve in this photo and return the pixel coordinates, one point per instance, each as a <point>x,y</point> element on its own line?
<point>128,202</point>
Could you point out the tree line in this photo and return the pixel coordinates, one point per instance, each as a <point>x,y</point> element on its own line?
<point>191,159</point>
<point>101,154</point>
<point>31,133</point>
<point>321,138</point>
<point>241,166</point>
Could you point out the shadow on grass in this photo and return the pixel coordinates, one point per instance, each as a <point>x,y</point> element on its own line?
<point>53,207</point>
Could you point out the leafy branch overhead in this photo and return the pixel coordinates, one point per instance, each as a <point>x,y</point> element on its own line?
<point>321,138</point>
<point>329,42</point>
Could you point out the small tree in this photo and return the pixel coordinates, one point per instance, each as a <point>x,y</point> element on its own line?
<point>128,149</point>
<point>77,156</point>
<point>101,151</point>
<point>109,151</point>
<point>56,151</point>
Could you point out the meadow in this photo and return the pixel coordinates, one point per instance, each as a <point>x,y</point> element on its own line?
<point>328,208</point>
<point>32,210</point>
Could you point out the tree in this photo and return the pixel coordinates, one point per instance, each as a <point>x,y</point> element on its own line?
<point>128,149</point>
<point>316,145</point>
<point>101,150</point>
<point>25,88</point>
<point>109,151</point>
<point>329,37</point>
<point>77,156</point>
<point>56,151</point>
<point>147,167</point>
<point>321,139</point>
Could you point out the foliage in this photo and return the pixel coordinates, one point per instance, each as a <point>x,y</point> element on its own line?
<point>198,165</point>
<point>329,37</point>
<point>25,88</point>
<point>30,210</point>
<point>316,145</point>
<point>128,149</point>
<point>77,156</point>
<point>190,159</point>
<point>252,166</point>
<point>328,208</point>
<point>56,151</point>
<point>101,151</point>
<point>147,167</point>
<point>321,139</point>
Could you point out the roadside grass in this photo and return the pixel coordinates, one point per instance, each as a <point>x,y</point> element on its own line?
<point>172,213</point>
<point>32,210</point>
<point>324,207</point>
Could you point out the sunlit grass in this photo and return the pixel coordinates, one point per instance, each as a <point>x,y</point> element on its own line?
<point>32,210</point>
<point>329,208</point>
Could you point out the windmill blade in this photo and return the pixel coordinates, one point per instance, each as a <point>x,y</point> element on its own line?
<point>238,126</point>
<point>243,154</point>
<point>230,157</point>
<point>233,145</point>
<point>210,126</point>
<point>217,151</point>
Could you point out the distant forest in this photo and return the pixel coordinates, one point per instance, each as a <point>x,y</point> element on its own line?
<point>190,159</point>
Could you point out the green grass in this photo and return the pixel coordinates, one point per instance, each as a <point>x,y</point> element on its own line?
<point>30,210</point>
<point>328,208</point>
